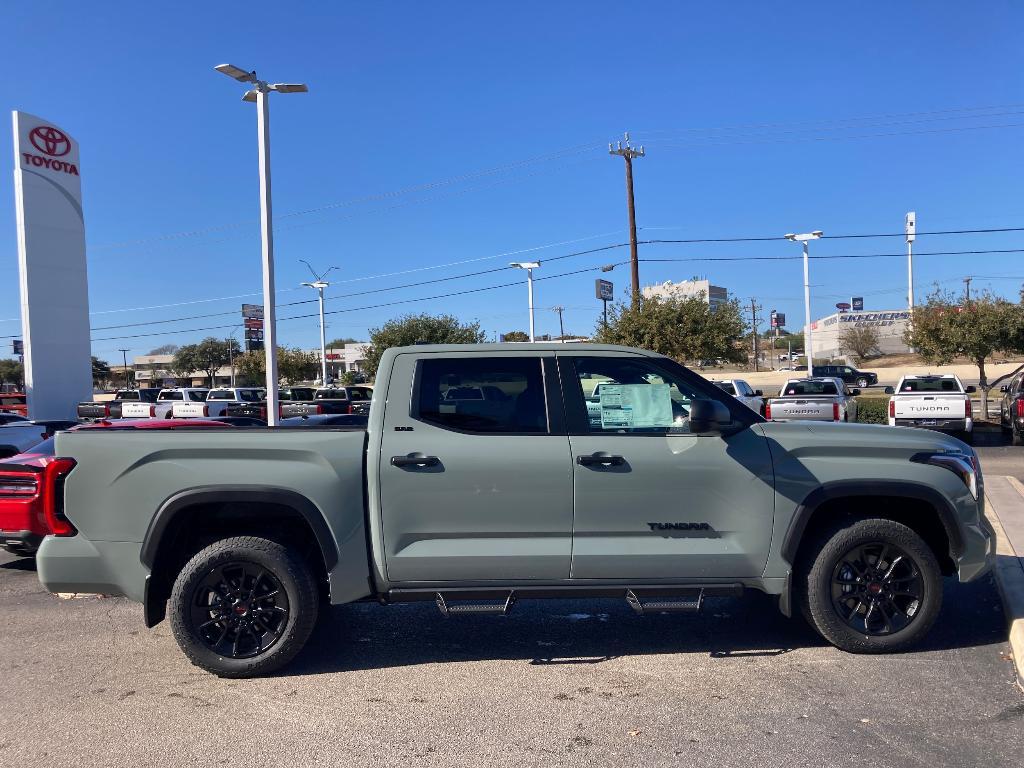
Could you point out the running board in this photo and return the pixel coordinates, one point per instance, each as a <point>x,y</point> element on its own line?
<point>500,609</point>
<point>500,594</point>
<point>664,606</point>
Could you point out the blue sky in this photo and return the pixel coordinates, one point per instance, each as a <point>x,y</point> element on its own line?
<point>457,133</point>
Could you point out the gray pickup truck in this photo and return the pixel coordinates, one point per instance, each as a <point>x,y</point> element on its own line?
<point>820,398</point>
<point>494,473</point>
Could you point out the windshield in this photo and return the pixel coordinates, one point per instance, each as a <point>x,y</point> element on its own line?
<point>930,385</point>
<point>810,388</point>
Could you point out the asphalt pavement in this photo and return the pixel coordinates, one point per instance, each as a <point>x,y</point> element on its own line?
<point>553,683</point>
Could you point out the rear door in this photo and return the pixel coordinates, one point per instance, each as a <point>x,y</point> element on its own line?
<point>652,500</point>
<point>475,474</point>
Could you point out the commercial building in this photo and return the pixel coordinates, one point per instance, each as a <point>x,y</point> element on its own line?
<point>714,295</point>
<point>890,325</point>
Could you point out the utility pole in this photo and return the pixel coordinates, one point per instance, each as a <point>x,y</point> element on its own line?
<point>754,307</point>
<point>967,282</point>
<point>628,153</point>
<point>911,231</point>
<point>124,357</point>
<point>561,328</point>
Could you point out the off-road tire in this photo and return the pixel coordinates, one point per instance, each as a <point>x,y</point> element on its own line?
<point>814,584</point>
<point>287,567</point>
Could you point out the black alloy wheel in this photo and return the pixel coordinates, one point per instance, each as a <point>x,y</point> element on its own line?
<point>877,589</point>
<point>239,610</point>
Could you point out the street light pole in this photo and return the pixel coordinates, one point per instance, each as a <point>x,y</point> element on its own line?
<point>808,341</point>
<point>529,266</point>
<point>911,230</point>
<point>259,93</point>
<point>319,283</point>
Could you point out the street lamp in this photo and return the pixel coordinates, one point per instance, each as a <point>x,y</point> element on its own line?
<point>529,266</point>
<point>319,283</point>
<point>808,346</point>
<point>258,94</point>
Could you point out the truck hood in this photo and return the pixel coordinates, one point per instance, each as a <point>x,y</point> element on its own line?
<point>840,439</point>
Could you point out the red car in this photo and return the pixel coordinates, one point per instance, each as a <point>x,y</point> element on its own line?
<point>14,402</point>
<point>31,501</point>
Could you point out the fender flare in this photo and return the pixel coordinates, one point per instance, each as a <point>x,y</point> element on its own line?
<point>888,488</point>
<point>237,494</point>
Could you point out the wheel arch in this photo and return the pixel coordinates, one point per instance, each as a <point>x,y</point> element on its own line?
<point>165,530</point>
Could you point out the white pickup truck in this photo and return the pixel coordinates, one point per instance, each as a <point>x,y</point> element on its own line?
<point>742,391</point>
<point>216,403</point>
<point>165,401</point>
<point>821,398</point>
<point>939,402</point>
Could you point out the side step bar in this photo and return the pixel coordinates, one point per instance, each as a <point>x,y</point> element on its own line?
<point>500,609</point>
<point>664,606</point>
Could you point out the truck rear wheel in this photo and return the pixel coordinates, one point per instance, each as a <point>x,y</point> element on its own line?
<point>871,587</point>
<point>243,607</point>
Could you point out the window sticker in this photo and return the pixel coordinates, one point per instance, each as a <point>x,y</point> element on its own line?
<point>630,406</point>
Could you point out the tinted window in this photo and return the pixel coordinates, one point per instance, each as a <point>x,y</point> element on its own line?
<point>627,396</point>
<point>221,396</point>
<point>198,397</point>
<point>726,387</point>
<point>930,385</point>
<point>170,396</point>
<point>483,394</point>
<point>810,388</point>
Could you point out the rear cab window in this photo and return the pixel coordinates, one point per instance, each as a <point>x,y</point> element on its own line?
<point>931,385</point>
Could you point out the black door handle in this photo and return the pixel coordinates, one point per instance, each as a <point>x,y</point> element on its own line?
<point>600,459</point>
<point>413,460</point>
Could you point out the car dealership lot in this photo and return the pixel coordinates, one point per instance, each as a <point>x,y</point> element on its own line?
<point>552,683</point>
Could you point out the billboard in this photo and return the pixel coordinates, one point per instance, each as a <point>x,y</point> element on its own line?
<point>252,319</point>
<point>604,290</point>
<point>51,268</point>
<point>778,319</point>
<point>857,302</point>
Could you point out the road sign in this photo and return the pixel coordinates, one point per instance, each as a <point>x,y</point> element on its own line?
<point>778,319</point>
<point>842,306</point>
<point>604,290</point>
<point>18,347</point>
<point>858,303</point>
<point>252,319</point>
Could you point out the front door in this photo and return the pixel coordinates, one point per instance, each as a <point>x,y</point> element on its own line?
<point>652,500</point>
<point>475,472</point>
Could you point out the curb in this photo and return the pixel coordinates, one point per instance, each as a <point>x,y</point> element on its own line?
<point>1009,568</point>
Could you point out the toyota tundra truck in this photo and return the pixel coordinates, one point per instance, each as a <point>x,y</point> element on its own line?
<point>162,407</point>
<point>216,403</point>
<point>939,402</point>
<point>668,493</point>
<point>91,411</point>
<point>814,399</point>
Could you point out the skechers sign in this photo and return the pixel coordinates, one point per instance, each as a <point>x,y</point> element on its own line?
<point>53,143</point>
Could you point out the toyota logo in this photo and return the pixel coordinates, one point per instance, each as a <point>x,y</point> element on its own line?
<point>49,140</point>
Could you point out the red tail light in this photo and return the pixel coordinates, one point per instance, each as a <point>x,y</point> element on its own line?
<point>835,411</point>
<point>349,409</point>
<point>892,409</point>
<point>33,497</point>
<point>206,410</point>
<point>968,409</point>
<point>106,410</point>
<point>1020,408</point>
<point>768,411</point>
<point>52,496</point>
<point>152,411</point>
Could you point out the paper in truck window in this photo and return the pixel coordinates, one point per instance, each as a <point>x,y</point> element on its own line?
<point>631,406</point>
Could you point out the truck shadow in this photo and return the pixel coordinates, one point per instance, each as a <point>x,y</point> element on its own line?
<point>557,632</point>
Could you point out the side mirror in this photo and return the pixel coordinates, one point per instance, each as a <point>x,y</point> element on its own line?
<point>970,390</point>
<point>759,393</point>
<point>708,417</point>
<point>1004,388</point>
<point>890,390</point>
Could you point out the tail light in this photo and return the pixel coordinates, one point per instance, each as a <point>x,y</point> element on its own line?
<point>349,408</point>
<point>38,493</point>
<point>968,409</point>
<point>768,411</point>
<point>206,410</point>
<point>1020,408</point>
<point>892,409</point>
<point>106,410</point>
<point>835,411</point>
<point>152,411</point>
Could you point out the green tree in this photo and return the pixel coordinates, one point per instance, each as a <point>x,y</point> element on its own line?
<point>164,349</point>
<point>251,368</point>
<point>207,356</point>
<point>100,372</point>
<point>341,342</point>
<point>945,328</point>
<point>424,328</point>
<point>295,365</point>
<point>516,336</point>
<point>682,328</point>
<point>12,372</point>
<point>861,341</point>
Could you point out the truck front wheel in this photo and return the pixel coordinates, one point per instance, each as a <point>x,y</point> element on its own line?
<point>243,607</point>
<point>871,587</point>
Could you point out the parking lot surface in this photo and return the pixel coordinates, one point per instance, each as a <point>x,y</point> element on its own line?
<point>553,683</point>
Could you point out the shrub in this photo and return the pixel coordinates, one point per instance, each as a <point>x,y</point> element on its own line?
<point>872,410</point>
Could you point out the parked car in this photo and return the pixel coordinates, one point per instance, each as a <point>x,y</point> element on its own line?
<point>111,409</point>
<point>814,399</point>
<point>164,404</point>
<point>9,417</point>
<point>216,403</point>
<point>472,505</point>
<point>284,395</point>
<point>850,375</point>
<point>738,388</point>
<point>25,514</point>
<point>939,402</point>
<point>18,436</point>
<point>14,402</point>
<point>347,399</point>
<point>1011,409</point>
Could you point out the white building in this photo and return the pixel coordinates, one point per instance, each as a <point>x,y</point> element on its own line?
<point>890,324</point>
<point>714,295</point>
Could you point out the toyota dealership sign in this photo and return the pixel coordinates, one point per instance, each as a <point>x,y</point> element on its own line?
<point>51,262</point>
